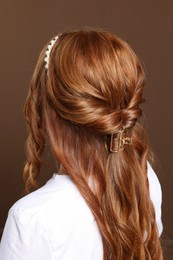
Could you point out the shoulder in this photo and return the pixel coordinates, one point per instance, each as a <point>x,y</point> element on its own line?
<point>40,224</point>
<point>154,184</point>
<point>156,196</point>
<point>58,199</point>
<point>57,188</point>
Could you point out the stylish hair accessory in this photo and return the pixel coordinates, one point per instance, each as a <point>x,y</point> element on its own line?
<point>119,140</point>
<point>48,51</point>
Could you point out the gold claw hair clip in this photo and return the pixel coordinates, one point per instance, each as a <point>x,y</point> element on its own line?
<point>119,140</point>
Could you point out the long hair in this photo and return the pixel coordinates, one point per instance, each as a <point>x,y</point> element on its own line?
<point>92,88</point>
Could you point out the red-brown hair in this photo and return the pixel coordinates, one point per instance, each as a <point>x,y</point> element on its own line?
<point>92,88</point>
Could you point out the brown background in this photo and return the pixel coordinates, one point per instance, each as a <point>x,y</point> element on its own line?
<point>25,26</point>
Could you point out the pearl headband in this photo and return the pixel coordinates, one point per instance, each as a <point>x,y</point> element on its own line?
<point>48,51</point>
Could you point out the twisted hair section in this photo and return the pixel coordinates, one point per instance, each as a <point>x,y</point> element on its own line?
<point>94,86</point>
<point>33,111</point>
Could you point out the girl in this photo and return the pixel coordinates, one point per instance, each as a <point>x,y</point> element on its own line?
<point>105,200</point>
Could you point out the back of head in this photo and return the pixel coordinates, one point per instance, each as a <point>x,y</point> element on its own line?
<point>87,101</point>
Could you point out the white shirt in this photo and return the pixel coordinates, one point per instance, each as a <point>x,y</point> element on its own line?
<point>55,223</point>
